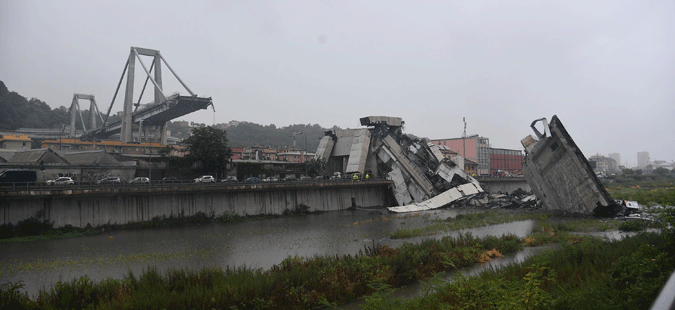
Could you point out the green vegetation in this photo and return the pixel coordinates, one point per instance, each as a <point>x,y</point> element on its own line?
<point>646,193</point>
<point>590,274</point>
<point>463,221</point>
<point>296,283</point>
<point>208,145</point>
<point>315,166</point>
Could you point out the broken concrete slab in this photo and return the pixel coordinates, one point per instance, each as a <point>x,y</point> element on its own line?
<point>418,169</point>
<point>559,174</point>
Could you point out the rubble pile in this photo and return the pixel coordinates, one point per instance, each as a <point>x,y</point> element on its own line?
<point>501,201</point>
<point>423,178</point>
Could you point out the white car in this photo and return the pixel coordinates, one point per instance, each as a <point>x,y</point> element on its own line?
<point>205,179</point>
<point>139,180</point>
<point>61,181</point>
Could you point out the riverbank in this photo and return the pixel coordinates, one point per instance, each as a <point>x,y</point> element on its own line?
<point>587,274</point>
<point>34,229</point>
<point>302,283</point>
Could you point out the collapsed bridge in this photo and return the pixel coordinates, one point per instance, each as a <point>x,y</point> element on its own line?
<point>423,178</point>
<point>145,118</point>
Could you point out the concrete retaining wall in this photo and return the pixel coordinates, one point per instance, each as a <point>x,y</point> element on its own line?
<point>125,205</point>
<point>504,185</point>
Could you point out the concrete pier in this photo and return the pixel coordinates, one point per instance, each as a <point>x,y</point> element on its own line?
<point>122,205</point>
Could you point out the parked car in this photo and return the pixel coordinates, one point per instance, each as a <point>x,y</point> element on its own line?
<point>252,180</point>
<point>139,180</point>
<point>305,178</point>
<point>109,180</point>
<point>270,179</point>
<point>289,178</point>
<point>171,179</point>
<point>205,179</point>
<point>61,181</point>
<point>229,179</point>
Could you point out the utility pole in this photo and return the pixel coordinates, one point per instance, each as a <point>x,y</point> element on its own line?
<point>464,138</point>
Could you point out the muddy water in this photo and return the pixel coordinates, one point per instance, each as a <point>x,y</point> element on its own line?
<point>258,244</point>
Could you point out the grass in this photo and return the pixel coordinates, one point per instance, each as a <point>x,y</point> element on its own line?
<point>294,283</point>
<point>591,274</point>
<point>646,193</point>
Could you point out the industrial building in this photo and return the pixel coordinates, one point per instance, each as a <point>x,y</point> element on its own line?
<point>505,162</point>
<point>15,142</point>
<point>474,148</point>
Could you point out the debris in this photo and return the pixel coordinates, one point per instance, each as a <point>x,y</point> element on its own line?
<point>559,174</point>
<point>422,177</point>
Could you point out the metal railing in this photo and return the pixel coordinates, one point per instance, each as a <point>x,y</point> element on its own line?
<point>22,187</point>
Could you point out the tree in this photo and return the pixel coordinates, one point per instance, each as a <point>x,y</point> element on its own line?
<point>315,166</point>
<point>209,146</point>
<point>165,151</point>
<point>661,171</point>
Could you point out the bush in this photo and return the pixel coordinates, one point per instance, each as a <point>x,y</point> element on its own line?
<point>632,225</point>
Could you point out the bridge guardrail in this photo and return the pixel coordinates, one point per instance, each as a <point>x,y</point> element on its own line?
<point>19,187</point>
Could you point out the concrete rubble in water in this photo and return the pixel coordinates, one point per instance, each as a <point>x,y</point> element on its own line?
<point>559,174</point>
<point>422,178</point>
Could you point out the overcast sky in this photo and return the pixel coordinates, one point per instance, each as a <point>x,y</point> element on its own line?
<point>606,68</point>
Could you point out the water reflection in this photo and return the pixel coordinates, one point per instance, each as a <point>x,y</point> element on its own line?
<point>258,244</point>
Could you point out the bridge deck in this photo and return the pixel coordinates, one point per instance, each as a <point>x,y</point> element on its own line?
<point>159,114</point>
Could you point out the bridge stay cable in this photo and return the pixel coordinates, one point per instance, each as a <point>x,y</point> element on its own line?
<point>105,122</point>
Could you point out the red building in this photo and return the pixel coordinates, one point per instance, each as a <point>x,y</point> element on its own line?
<point>474,148</point>
<point>505,162</point>
<point>237,153</point>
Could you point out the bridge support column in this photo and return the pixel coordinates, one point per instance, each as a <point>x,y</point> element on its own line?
<point>127,110</point>
<point>162,134</point>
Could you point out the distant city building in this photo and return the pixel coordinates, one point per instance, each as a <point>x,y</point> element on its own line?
<point>447,152</point>
<point>237,153</point>
<point>505,162</point>
<point>604,164</point>
<point>15,142</point>
<point>294,156</point>
<point>616,157</point>
<point>470,167</point>
<point>643,159</point>
<point>474,148</point>
<point>663,164</point>
<point>259,153</point>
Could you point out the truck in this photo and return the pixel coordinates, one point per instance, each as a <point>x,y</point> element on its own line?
<point>18,176</point>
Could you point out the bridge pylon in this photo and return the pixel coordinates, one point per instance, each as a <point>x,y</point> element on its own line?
<point>152,117</point>
<point>93,111</point>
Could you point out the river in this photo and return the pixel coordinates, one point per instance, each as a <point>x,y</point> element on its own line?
<point>257,244</point>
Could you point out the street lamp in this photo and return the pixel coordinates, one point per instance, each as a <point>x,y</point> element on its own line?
<point>304,157</point>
